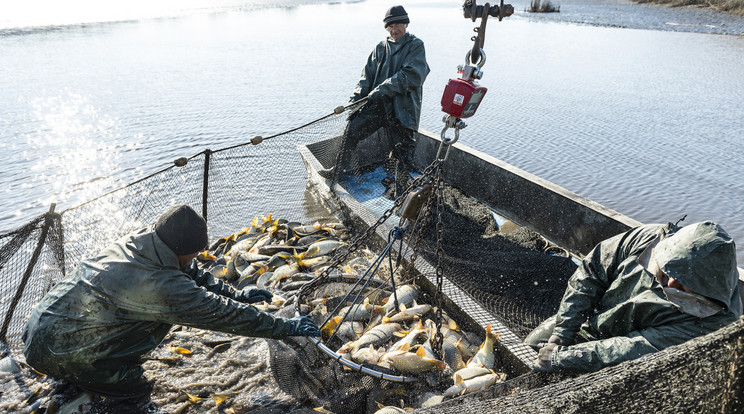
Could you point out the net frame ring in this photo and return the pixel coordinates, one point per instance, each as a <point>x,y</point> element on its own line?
<point>335,355</point>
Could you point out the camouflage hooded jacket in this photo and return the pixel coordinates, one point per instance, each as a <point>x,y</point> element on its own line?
<point>396,71</point>
<point>615,304</point>
<point>95,324</point>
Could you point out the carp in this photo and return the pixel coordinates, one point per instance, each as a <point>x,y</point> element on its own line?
<point>378,335</point>
<point>359,312</point>
<point>409,314</point>
<point>410,338</point>
<point>485,356</point>
<point>406,294</point>
<point>474,384</point>
<point>261,242</point>
<point>348,331</point>
<point>388,409</point>
<point>471,372</point>
<point>321,248</point>
<point>283,272</point>
<point>411,363</point>
<point>366,355</point>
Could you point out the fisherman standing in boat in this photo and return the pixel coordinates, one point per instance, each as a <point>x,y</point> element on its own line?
<point>640,292</point>
<point>93,328</point>
<point>392,82</point>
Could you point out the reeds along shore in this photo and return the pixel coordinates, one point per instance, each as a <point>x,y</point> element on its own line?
<point>731,6</point>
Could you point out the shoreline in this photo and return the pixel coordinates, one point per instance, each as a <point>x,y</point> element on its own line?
<point>735,7</point>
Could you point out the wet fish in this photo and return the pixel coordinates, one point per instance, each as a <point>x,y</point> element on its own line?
<point>243,259</point>
<point>303,277</point>
<point>272,249</point>
<point>218,271</point>
<point>321,248</point>
<point>485,356</point>
<point>308,240</point>
<point>452,355</point>
<point>388,409</point>
<point>375,336</point>
<point>263,280</point>
<point>240,261</point>
<point>411,363</point>
<point>350,331</point>
<point>205,256</point>
<point>366,355</point>
<point>330,326</point>
<point>406,294</point>
<point>408,314</point>
<point>471,372</point>
<point>278,260</point>
<point>429,399</point>
<point>468,344</point>
<point>262,241</point>
<point>408,340</point>
<point>243,245</point>
<point>294,285</point>
<point>311,264</point>
<point>283,272</point>
<point>426,346</point>
<point>474,384</point>
<point>251,274</point>
<point>359,312</point>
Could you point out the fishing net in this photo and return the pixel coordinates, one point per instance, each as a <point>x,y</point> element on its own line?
<point>495,273</point>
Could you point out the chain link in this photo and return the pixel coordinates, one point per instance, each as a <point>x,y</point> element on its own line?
<point>438,340</point>
<point>345,252</point>
<point>434,174</point>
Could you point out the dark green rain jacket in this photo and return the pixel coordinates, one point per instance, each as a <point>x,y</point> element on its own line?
<point>622,311</point>
<point>94,325</point>
<point>396,70</point>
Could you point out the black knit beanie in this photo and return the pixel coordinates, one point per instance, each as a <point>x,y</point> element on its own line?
<point>183,230</point>
<point>396,14</point>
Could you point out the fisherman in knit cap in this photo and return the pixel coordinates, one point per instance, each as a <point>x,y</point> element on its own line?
<point>93,328</point>
<point>392,81</point>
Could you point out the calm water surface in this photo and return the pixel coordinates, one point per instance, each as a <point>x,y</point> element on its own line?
<point>639,108</point>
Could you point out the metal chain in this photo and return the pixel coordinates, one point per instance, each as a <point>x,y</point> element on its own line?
<point>344,253</point>
<point>417,234</point>
<point>438,340</point>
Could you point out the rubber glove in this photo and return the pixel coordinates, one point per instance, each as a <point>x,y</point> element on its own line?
<point>374,97</point>
<point>302,326</point>
<point>542,363</point>
<point>545,354</point>
<point>256,295</point>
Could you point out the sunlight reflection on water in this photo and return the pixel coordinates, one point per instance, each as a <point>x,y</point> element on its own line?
<point>596,110</point>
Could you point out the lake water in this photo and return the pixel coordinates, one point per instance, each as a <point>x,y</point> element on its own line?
<point>637,107</point>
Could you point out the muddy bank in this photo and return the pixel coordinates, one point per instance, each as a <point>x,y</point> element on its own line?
<point>631,15</point>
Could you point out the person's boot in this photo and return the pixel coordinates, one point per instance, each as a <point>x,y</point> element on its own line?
<point>402,175</point>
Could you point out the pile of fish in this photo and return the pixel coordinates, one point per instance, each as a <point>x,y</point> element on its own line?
<point>401,340</point>
<point>273,253</point>
<point>282,256</point>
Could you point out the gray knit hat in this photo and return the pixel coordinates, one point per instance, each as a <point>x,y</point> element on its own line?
<point>183,230</point>
<point>396,14</point>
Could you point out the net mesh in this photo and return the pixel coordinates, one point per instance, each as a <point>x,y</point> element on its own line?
<point>495,273</point>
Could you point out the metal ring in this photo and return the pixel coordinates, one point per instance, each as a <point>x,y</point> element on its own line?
<point>482,60</point>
